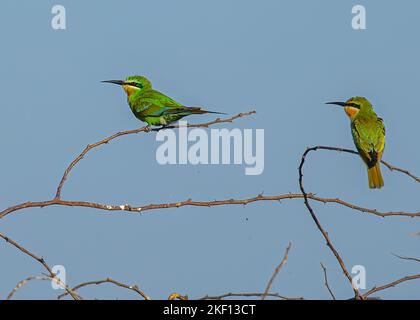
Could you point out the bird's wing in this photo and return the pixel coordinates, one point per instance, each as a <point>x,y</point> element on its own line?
<point>369,138</point>
<point>380,145</point>
<point>155,104</point>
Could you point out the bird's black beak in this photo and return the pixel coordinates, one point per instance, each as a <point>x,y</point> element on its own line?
<point>343,104</point>
<point>119,82</point>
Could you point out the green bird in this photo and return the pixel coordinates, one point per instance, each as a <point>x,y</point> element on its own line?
<point>368,132</point>
<point>151,106</point>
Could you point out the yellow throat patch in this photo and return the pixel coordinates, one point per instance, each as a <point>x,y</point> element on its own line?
<point>129,90</point>
<point>351,112</point>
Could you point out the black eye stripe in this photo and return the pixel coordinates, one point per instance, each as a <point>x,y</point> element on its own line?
<point>135,84</point>
<point>354,105</point>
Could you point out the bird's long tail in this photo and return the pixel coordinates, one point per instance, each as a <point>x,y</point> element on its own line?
<point>375,177</point>
<point>199,110</point>
<point>214,112</point>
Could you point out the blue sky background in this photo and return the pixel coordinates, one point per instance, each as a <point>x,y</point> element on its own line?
<point>281,58</point>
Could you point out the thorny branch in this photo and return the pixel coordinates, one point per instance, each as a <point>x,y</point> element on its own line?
<point>388,165</point>
<point>249,295</point>
<point>318,224</point>
<point>190,202</point>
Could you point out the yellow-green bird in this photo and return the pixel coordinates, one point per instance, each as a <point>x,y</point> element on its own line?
<point>368,132</point>
<point>152,106</point>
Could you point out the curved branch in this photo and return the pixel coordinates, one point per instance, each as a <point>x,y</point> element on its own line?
<point>135,131</point>
<point>134,288</point>
<point>23,282</point>
<point>388,165</point>
<point>248,295</point>
<point>318,224</point>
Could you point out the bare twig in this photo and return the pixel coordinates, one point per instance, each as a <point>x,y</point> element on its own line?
<point>388,165</point>
<point>391,284</point>
<point>326,281</point>
<point>318,224</point>
<point>23,282</point>
<point>248,295</point>
<point>406,258</point>
<point>393,168</point>
<point>276,271</point>
<point>44,264</point>
<point>134,131</point>
<point>134,288</point>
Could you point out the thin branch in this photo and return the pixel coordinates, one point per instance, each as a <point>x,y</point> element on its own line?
<point>393,168</point>
<point>388,165</point>
<point>276,271</point>
<point>391,284</point>
<point>318,224</point>
<point>406,258</point>
<point>326,281</point>
<point>248,295</point>
<point>190,202</point>
<point>134,288</point>
<point>135,131</point>
<point>23,282</point>
<point>43,263</point>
